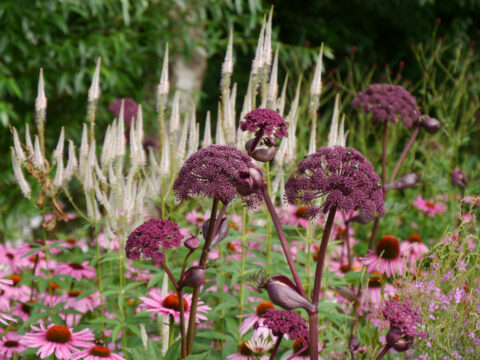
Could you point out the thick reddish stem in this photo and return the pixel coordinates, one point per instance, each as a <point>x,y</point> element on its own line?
<point>404,153</point>
<point>283,240</point>
<point>313,320</point>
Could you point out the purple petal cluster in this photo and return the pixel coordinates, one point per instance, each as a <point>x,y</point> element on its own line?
<point>401,315</point>
<point>283,322</point>
<point>148,240</point>
<point>388,102</point>
<point>266,120</point>
<point>341,174</point>
<point>212,172</point>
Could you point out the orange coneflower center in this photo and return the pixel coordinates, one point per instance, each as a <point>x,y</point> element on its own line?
<point>16,279</point>
<point>59,334</point>
<point>430,204</point>
<point>297,346</point>
<point>27,309</point>
<point>388,248</point>
<point>71,240</point>
<point>100,351</point>
<point>415,238</point>
<point>233,225</point>
<point>171,302</point>
<point>230,246</point>
<point>263,307</point>
<point>74,293</point>
<point>245,350</point>
<point>53,286</point>
<point>301,212</point>
<point>375,281</point>
<point>76,266</point>
<point>11,343</point>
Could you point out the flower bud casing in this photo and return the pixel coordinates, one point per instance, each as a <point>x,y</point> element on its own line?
<point>405,182</point>
<point>459,179</point>
<point>431,125</point>
<point>193,277</point>
<point>282,292</point>
<point>264,155</point>
<point>192,243</point>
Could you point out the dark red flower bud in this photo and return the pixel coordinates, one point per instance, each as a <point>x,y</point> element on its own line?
<point>459,179</point>
<point>193,277</point>
<point>406,181</point>
<point>284,293</point>
<point>222,232</point>
<point>249,180</point>
<point>192,243</point>
<point>264,155</point>
<point>430,124</point>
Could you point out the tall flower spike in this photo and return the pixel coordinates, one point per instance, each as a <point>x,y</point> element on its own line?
<point>18,173</point>
<point>227,66</point>
<point>333,134</point>
<point>207,135</point>
<point>139,132</point>
<point>72,163</point>
<point>83,154</point>
<point>213,172</point>
<point>219,135</point>
<point>267,43</point>
<point>163,86</point>
<point>182,143</point>
<point>20,154</point>
<point>59,177</point>
<point>40,102</point>
<point>37,154</point>
<point>283,96</point>
<point>175,117</point>
<point>121,143</point>
<point>312,145</point>
<point>94,90</point>
<point>28,138</point>
<point>58,152</point>
<point>343,176</point>
<point>257,63</point>
<point>165,159</point>
<point>316,85</point>
<point>273,84</point>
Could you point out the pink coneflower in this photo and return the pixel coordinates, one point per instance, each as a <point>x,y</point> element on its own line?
<point>372,294</point>
<point>413,249</point>
<point>251,319</point>
<point>246,353</point>
<point>168,304</point>
<point>11,257</point>
<point>386,259</point>
<point>76,270</point>
<point>430,207</point>
<point>57,339</point>
<point>16,291</point>
<point>10,345</point>
<point>295,216</point>
<point>96,352</point>
<point>196,218</point>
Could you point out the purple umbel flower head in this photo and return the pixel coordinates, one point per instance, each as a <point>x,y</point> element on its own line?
<point>130,109</point>
<point>343,175</point>
<point>148,240</point>
<point>283,322</point>
<point>401,315</point>
<point>213,172</point>
<point>388,102</point>
<point>265,120</point>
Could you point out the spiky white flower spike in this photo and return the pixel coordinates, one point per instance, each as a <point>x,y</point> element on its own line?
<point>273,84</point>
<point>175,117</point>
<point>332,135</point>
<point>58,152</point>
<point>227,66</point>
<point>257,64</point>
<point>139,133</point>
<point>267,43</point>
<point>163,86</point>
<point>283,97</point>
<point>229,117</point>
<point>219,135</point>
<point>40,102</point>
<point>316,85</point>
<point>18,173</point>
<point>37,154</point>
<point>165,159</point>
<point>121,143</point>
<point>18,147</point>
<point>192,134</point>
<point>28,139</point>
<point>83,153</point>
<point>207,134</point>
<point>342,136</point>
<point>93,96</point>
<point>72,163</point>
<point>59,174</point>
<point>182,143</point>
<point>312,145</point>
